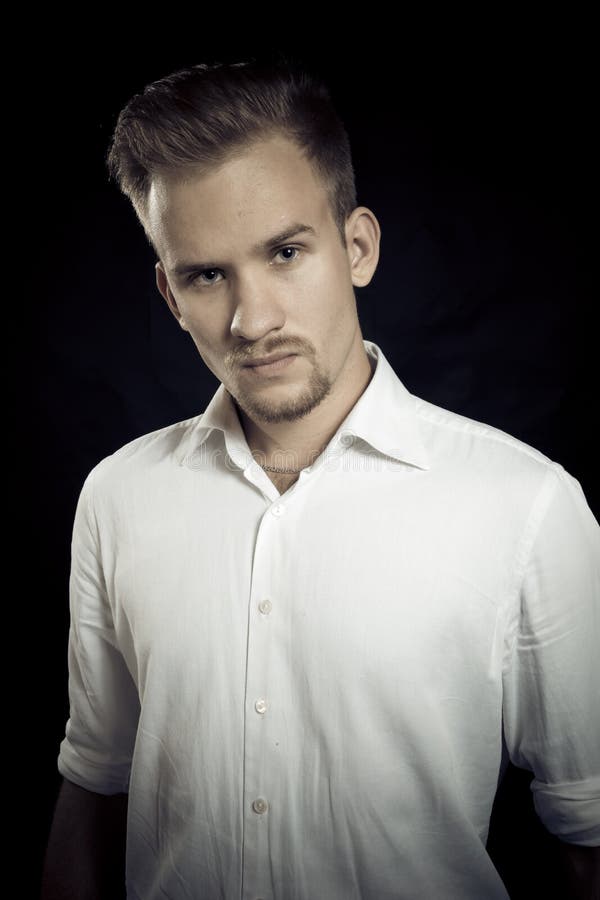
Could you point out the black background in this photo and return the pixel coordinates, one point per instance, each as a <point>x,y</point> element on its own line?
<point>476,157</point>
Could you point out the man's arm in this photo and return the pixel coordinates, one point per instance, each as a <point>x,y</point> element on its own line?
<point>551,715</point>
<point>85,857</point>
<point>581,867</point>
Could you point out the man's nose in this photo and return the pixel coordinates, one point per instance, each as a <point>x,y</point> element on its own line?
<point>257,309</point>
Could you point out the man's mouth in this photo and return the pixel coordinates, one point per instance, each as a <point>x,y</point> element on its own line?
<point>270,364</point>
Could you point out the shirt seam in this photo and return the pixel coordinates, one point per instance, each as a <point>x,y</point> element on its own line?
<point>484,431</point>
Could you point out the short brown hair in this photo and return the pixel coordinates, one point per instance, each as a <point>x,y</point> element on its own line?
<point>196,117</point>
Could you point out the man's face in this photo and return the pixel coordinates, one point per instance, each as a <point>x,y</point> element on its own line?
<point>244,298</point>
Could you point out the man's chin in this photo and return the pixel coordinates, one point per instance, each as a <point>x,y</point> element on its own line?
<point>273,412</point>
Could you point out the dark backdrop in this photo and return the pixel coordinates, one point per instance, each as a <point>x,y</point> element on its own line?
<point>479,175</point>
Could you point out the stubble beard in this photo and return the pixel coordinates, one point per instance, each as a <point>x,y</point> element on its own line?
<point>289,409</point>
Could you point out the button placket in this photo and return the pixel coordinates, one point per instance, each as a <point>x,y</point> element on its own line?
<point>260,742</point>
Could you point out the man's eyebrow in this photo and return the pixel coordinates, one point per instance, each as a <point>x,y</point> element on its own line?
<point>185,268</point>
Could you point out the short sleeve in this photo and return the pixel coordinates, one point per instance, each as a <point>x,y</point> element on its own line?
<point>97,750</point>
<point>552,673</point>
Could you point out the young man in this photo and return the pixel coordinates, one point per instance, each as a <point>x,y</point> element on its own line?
<point>310,625</point>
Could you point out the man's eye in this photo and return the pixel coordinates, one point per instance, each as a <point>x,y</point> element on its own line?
<point>289,258</point>
<point>205,273</point>
<point>208,277</point>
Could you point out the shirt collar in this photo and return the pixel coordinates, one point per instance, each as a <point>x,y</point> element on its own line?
<point>384,416</point>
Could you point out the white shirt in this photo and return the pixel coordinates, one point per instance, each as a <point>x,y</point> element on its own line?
<point>304,694</point>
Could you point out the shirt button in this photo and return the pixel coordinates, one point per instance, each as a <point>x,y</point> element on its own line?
<point>260,806</point>
<point>278,509</point>
<point>265,607</point>
<point>260,706</point>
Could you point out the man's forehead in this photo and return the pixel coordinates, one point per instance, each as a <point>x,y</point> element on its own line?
<point>198,232</point>
<point>268,167</point>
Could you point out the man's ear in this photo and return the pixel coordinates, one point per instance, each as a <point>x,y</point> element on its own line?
<point>163,286</point>
<point>363,234</point>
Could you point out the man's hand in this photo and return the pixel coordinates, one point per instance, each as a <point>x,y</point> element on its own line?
<point>85,858</point>
<point>581,866</point>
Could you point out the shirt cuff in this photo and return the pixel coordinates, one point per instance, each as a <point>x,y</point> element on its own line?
<point>100,779</point>
<point>570,811</point>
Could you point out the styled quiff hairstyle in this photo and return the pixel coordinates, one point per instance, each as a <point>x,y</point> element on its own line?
<point>196,118</point>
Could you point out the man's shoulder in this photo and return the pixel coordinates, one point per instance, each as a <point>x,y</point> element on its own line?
<point>474,442</point>
<point>162,447</point>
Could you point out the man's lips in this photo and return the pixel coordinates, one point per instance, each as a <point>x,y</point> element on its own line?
<point>267,360</point>
<point>270,366</point>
